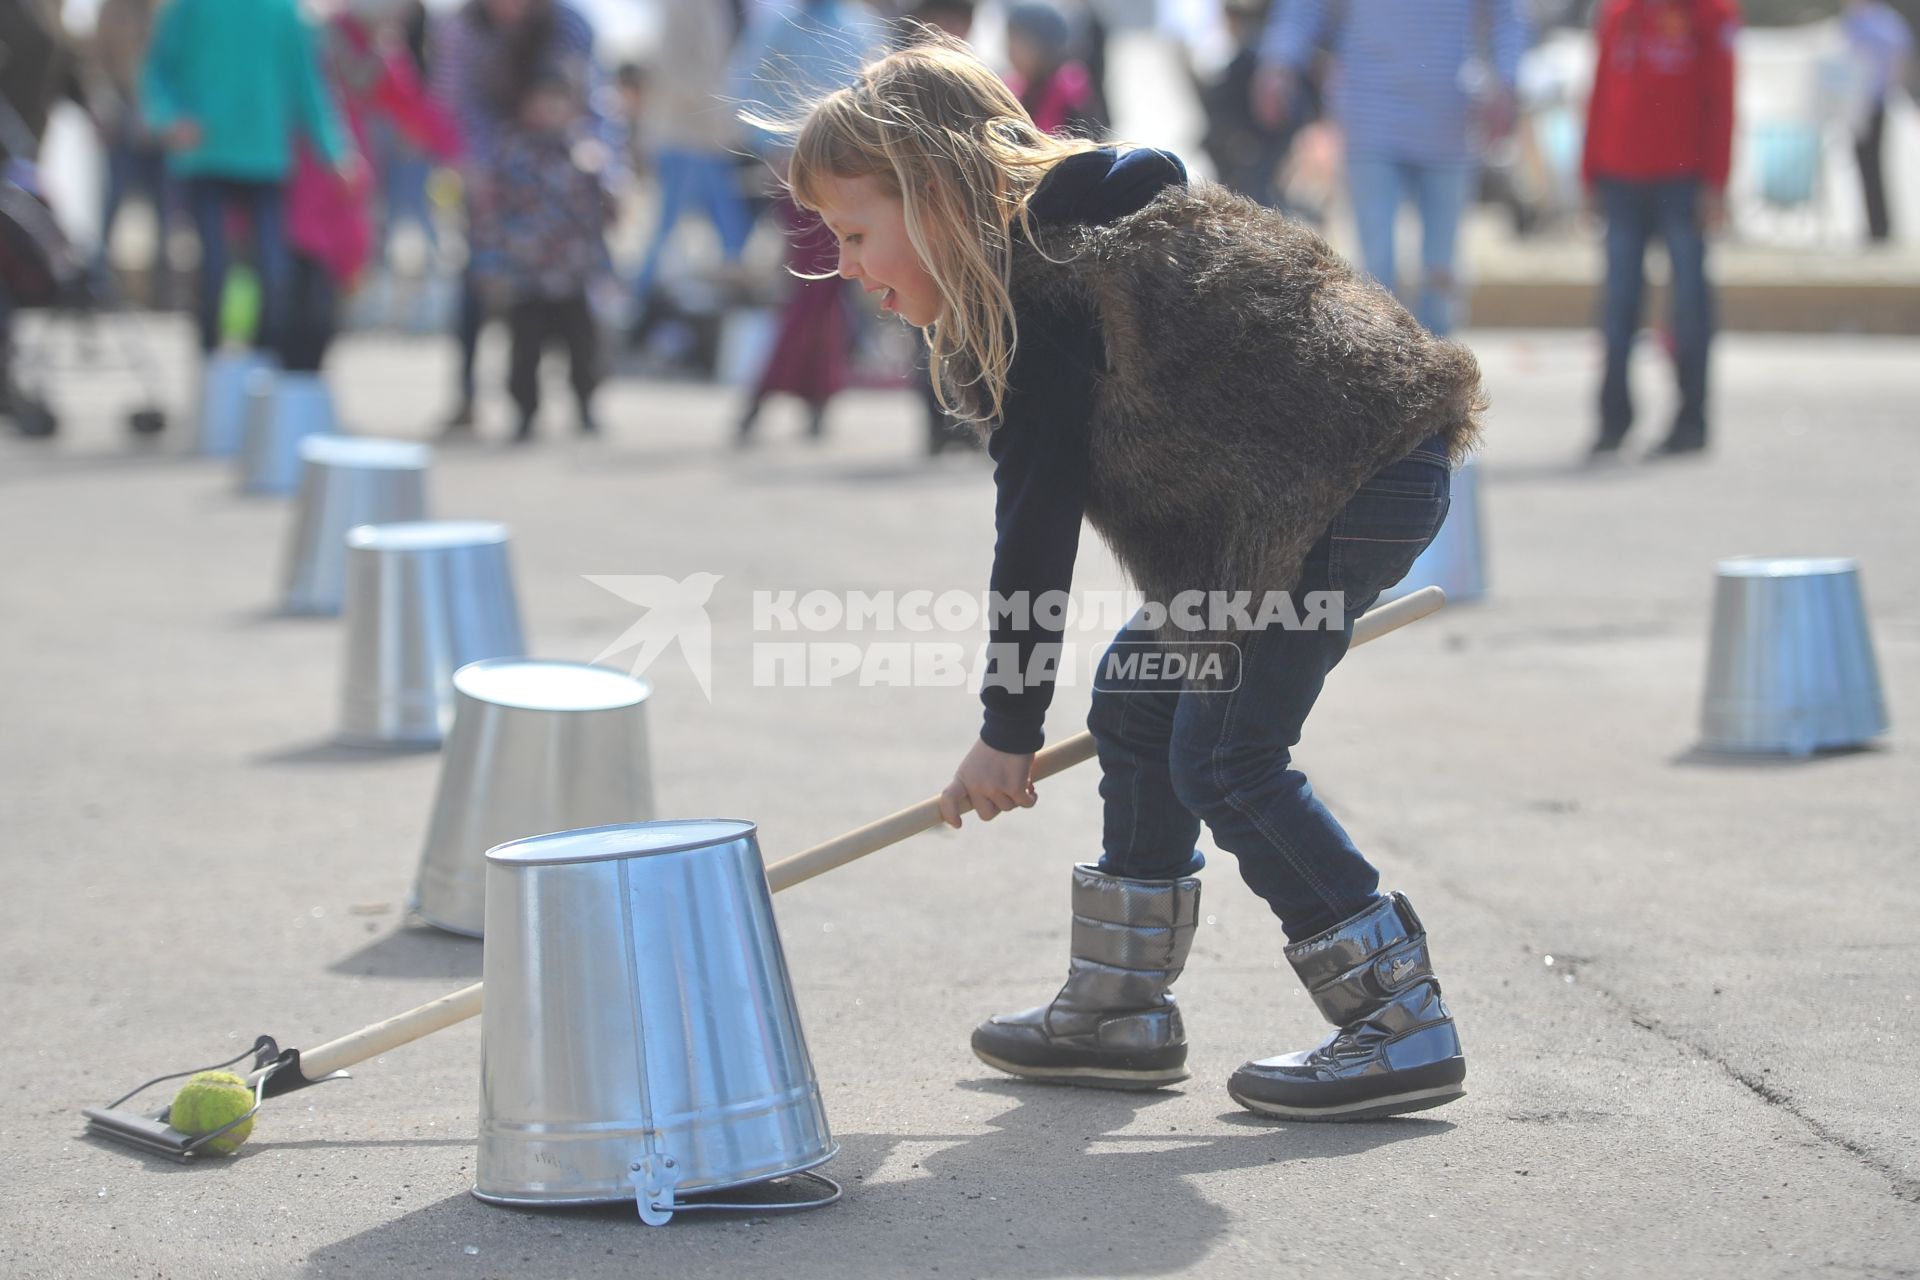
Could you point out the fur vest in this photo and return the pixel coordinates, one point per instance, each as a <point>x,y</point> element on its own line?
<point>1250,382</point>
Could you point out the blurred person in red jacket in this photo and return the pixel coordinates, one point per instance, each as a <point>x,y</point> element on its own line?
<point>1659,142</point>
<point>373,81</point>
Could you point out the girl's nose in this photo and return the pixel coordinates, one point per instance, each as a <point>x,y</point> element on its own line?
<point>849,270</point>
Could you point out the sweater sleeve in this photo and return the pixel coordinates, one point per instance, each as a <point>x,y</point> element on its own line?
<point>419,118</point>
<point>1039,449</point>
<point>1597,104</point>
<point>160,71</point>
<point>313,99</point>
<point>1509,35</point>
<point>1717,71</point>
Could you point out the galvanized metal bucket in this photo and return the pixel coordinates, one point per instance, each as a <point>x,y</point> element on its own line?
<point>536,746</point>
<point>424,598</point>
<point>224,382</point>
<point>640,1039</point>
<point>297,406</point>
<point>1790,668</point>
<point>345,482</point>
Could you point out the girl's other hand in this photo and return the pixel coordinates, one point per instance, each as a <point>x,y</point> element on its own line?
<point>994,781</point>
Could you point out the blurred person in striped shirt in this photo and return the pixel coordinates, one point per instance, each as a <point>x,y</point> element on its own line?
<point>1419,86</point>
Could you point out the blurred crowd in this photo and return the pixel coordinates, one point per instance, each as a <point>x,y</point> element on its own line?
<point>631,214</point>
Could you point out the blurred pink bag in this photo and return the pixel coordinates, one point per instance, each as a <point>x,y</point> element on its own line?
<point>327,214</point>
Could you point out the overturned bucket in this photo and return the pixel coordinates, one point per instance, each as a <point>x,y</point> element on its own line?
<point>640,1040</point>
<point>1790,668</point>
<point>424,598</point>
<point>225,382</point>
<point>344,483</point>
<point>296,407</point>
<point>536,746</point>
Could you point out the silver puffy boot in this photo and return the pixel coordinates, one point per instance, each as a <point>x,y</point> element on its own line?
<point>1114,1024</point>
<point>1396,1049</point>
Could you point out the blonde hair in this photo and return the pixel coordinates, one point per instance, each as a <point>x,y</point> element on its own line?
<point>939,130</point>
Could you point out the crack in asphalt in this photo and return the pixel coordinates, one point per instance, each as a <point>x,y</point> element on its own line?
<point>1905,1186</point>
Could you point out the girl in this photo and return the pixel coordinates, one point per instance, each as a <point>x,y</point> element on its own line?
<point>330,213</point>
<point>1236,412</point>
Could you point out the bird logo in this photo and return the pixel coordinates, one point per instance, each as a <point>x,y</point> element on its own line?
<point>676,610</point>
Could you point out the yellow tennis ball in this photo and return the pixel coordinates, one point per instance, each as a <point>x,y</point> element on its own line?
<point>208,1100</point>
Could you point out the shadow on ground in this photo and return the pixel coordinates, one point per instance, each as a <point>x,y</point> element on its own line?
<point>1063,1183</point>
<point>328,752</point>
<point>414,951</point>
<point>1699,757</point>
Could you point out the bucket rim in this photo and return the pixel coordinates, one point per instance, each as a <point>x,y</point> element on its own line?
<point>1785,566</point>
<point>621,840</point>
<point>367,452</point>
<point>695,1187</point>
<point>590,687</point>
<point>426,535</point>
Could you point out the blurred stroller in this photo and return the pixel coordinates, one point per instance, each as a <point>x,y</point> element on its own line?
<point>38,268</point>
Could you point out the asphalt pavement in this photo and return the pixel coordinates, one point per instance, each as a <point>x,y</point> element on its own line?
<point>1682,981</point>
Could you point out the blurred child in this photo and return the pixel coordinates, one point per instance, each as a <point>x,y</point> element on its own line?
<point>539,235</point>
<point>1056,89</point>
<point>330,228</point>
<point>1246,151</point>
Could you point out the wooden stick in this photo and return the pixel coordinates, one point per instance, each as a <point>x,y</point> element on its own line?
<point>460,1005</point>
<point>896,827</point>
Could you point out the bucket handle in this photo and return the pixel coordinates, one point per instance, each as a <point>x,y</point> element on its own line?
<point>657,1210</point>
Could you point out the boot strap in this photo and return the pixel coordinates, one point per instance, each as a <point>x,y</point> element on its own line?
<point>1384,976</point>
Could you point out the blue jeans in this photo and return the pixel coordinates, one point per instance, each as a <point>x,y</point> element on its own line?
<point>209,199</point>
<point>695,180</point>
<point>1171,759</point>
<point>403,175</point>
<point>1636,212</point>
<point>1378,186</point>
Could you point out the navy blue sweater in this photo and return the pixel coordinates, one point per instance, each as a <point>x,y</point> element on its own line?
<point>1039,445</point>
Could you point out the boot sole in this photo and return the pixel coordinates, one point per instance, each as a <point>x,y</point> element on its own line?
<point>1369,1109</point>
<point>1089,1077</point>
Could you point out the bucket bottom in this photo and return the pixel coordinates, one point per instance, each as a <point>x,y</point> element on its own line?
<point>659,1200</point>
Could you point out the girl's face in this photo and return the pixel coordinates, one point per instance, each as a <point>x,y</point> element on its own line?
<point>871,225</point>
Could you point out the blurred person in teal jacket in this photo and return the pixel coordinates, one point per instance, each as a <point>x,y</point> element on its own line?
<point>229,85</point>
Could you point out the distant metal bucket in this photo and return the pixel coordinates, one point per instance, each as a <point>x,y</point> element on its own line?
<point>300,406</point>
<point>640,1039</point>
<point>536,746</point>
<point>1455,561</point>
<point>223,400</point>
<point>345,482</point>
<point>1790,668</point>
<point>424,598</point>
